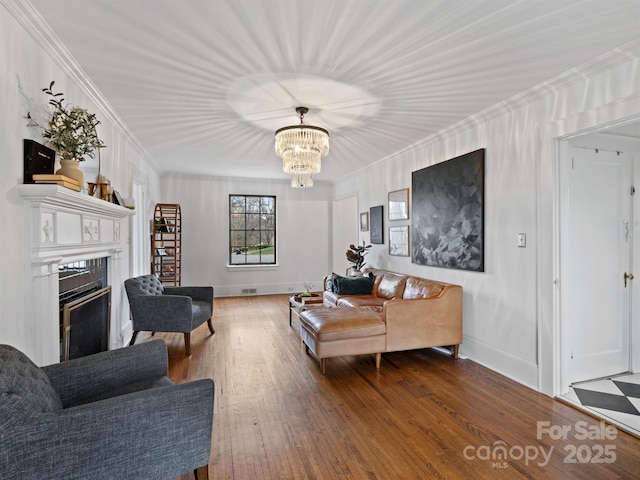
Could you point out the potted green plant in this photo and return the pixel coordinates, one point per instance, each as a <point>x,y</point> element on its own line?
<point>71,132</point>
<point>307,290</point>
<point>356,256</point>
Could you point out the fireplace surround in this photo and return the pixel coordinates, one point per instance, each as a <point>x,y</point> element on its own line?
<point>65,227</point>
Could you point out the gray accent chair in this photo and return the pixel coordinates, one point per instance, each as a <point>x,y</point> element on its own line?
<point>158,308</point>
<point>111,415</point>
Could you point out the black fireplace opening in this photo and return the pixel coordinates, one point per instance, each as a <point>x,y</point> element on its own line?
<point>85,308</point>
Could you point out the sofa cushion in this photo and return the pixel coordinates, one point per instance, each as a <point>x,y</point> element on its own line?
<point>391,286</point>
<point>353,286</point>
<point>24,388</point>
<point>360,301</point>
<point>330,324</point>
<point>421,288</point>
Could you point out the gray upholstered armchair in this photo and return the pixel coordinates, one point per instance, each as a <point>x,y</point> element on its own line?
<point>111,415</point>
<point>156,308</point>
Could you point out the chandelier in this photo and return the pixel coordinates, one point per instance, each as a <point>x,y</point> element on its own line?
<point>301,148</point>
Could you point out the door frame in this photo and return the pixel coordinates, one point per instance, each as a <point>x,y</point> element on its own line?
<point>622,112</point>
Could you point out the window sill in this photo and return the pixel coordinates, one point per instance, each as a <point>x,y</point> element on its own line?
<point>255,268</point>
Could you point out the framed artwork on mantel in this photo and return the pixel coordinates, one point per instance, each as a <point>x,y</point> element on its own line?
<point>399,204</point>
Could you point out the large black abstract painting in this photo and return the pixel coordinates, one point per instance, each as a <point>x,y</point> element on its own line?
<point>448,213</point>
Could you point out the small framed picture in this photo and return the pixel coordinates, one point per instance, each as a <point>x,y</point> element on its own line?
<point>377,232</point>
<point>364,222</point>
<point>399,241</point>
<point>399,204</point>
<point>117,198</point>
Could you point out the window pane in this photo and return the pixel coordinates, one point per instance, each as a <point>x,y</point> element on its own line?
<point>267,205</point>
<point>253,222</point>
<point>253,205</point>
<point>267,238</point>
<point>236,204</point>
<point>268,222</point>
<point>237,238</point>
<point>237,221</point>
<point>253,239</point>
<point>238,259</point>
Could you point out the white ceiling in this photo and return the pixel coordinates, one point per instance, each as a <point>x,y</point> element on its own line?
<point>203,84</point>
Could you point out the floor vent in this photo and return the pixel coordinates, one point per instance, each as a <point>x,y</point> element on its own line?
<point>249,291</point>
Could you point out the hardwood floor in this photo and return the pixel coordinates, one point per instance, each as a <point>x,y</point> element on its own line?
<point>422,415</point>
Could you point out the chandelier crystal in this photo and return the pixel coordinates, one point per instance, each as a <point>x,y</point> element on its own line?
<point>302,147</point>
<point>301,180</point>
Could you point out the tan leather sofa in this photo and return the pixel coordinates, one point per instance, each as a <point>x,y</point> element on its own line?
<point>402,312</point>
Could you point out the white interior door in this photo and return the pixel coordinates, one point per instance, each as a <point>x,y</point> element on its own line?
<point>596,253</point>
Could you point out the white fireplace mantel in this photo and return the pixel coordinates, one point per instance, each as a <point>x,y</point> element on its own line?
<point>65,226</point>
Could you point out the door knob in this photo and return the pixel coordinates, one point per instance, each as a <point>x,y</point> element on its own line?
<point>627,276</point>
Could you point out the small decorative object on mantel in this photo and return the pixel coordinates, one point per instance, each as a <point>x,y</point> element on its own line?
<point>58,179</point>
<point>38,159</point>
<point>100,190</point>
<point>356,256</point>
<point>117,198</point>
<point>71,132</point>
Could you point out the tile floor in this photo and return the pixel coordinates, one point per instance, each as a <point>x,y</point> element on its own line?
<point>616,399</point>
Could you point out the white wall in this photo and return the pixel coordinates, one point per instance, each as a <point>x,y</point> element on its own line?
<point>345,231</point>
<point>509,320</point>
<point>303,234</point>
<point>27,64</point>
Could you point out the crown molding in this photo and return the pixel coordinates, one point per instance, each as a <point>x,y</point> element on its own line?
<point>611,59</point>
<point>34,24</point>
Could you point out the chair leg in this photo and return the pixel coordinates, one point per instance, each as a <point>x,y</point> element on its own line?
<point>201,473</point>
<point>323,365</point>
<point>187,343</point>
<point>210,327</point>
<point>133,337</point>
<point>378,358</point>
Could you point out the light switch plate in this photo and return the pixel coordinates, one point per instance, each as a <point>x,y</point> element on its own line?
<point>522,240</point>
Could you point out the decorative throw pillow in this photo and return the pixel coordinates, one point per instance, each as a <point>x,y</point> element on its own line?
<point>353,286</point>
<point>329,281</point>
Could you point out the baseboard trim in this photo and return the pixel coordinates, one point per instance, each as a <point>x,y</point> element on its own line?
<point>501,362</point>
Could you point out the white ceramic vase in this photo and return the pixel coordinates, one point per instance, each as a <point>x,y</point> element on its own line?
<point>71,169</point>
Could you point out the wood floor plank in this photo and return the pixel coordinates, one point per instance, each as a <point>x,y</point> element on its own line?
<point>422,415</point>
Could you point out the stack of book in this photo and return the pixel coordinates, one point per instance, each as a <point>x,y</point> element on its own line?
<point>61,180</point>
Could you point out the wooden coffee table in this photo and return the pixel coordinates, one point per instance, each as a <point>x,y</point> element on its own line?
<point>299,304</point>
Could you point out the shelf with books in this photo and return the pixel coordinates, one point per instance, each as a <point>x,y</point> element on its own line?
<point>166,243</point>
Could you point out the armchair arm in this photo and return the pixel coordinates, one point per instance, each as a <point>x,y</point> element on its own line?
<point>90,376</point>
<point>161,313</point>
<point>203,294</point>
<point>154,434</point>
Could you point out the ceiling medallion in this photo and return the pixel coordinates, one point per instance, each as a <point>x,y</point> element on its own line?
<point>301,148</point>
